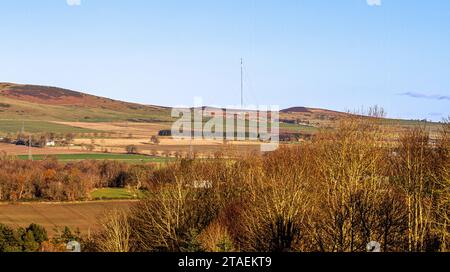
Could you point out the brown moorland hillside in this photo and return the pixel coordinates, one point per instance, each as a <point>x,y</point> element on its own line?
<point>32,102</point>
<point>59,96</point>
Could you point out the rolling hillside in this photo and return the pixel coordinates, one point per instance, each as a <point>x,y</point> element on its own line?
<point>43,103</point>
<point>61,110</point>
<point>30,102</point>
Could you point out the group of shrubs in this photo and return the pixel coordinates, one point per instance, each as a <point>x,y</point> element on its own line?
<point>34,238</point>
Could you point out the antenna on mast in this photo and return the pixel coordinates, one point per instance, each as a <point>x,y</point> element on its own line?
<point>242,83</point>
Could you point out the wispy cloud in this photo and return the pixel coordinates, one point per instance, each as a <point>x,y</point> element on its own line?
<point>73,2</point>
<point>374,3</point>
<point>426,96</point>
<point>436,114</point>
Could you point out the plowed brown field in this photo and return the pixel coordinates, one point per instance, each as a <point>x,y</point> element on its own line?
<point>83,215</point>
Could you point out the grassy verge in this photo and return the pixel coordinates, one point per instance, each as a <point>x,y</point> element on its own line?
<point>116,194</point>
<point>100,156</point>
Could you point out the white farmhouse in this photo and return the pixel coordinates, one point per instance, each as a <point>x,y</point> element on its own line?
<point>50,143</point>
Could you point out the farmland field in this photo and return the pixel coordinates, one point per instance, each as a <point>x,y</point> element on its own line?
<point>11,149</point>
<point>297,128</point>
<point>114,194</point>
<point>100,156</point>
<point>142,130</point>
<point>51,215</point>
<point>11,126</point>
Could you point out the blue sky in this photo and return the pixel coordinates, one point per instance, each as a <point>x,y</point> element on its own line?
<point>340,55</point>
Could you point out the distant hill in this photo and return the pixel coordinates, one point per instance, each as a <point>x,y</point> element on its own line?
<point>45,103</point>
<point>57,104</point>
<point>296,109</point>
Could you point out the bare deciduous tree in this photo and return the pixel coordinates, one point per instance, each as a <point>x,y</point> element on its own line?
<point>115,232</point>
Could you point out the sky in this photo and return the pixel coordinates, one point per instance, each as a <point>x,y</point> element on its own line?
<point>340,55</point>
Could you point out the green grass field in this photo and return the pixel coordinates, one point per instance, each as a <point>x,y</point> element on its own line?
<point>12,126</point>
<point>135,159</point>
<point>115,194</point>
<point>298,128</point>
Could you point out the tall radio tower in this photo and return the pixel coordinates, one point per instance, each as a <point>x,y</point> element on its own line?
<point>242,83</point>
